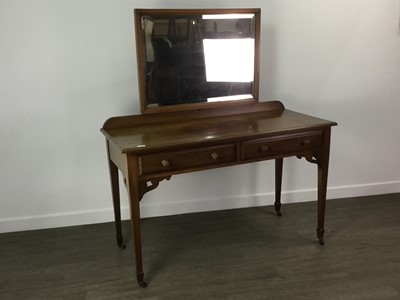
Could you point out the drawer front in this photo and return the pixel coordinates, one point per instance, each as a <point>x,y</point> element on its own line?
<point>280,145</point>
<point>186,159</point>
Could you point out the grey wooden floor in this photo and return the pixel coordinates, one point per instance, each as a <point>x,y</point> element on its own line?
<point>235,254</point>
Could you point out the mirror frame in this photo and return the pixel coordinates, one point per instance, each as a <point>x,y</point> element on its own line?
<point>141,64</point>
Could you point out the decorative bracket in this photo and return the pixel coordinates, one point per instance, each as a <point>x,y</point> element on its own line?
<point>312,158</point>
<point>149,185</point>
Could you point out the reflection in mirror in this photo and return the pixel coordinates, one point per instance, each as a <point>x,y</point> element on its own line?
<point>186,56</point>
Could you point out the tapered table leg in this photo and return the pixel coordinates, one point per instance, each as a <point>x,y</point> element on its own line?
<point>116,199</point>
<point>323,165</point>
<point>134,201</point>
<point>278,184</point>
<point>322,184</point>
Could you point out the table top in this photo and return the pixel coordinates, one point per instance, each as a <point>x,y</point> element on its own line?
<point>143,135</point>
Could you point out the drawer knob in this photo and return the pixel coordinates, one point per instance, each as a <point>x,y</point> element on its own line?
<point>305,142</point>
<point>165,163</point>
<point>214,156</point>
<point>264,148</point>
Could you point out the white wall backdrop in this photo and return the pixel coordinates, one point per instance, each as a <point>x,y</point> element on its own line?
<point>66,66</point>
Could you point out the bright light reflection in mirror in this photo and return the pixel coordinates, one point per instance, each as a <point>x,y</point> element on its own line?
<point>228,16</point>
<point>229,60</point>
<point>229,98</point>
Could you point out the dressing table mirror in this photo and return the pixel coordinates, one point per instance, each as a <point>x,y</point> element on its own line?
<point>198,75</point>
<point>191,59</point>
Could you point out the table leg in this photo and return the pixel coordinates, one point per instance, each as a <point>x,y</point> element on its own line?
<point>134,201</point>
<point>116,200</point>
<point>323,165</point>
<point>322,185</point>
<point>278,185</point>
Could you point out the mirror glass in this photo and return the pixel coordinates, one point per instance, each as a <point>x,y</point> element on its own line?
<point>190,58</point>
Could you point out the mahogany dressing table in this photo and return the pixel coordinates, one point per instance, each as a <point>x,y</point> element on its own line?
<point>198,135</point>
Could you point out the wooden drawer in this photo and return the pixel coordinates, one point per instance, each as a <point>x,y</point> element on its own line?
<point>281,145</point>
<point>171,161</point>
